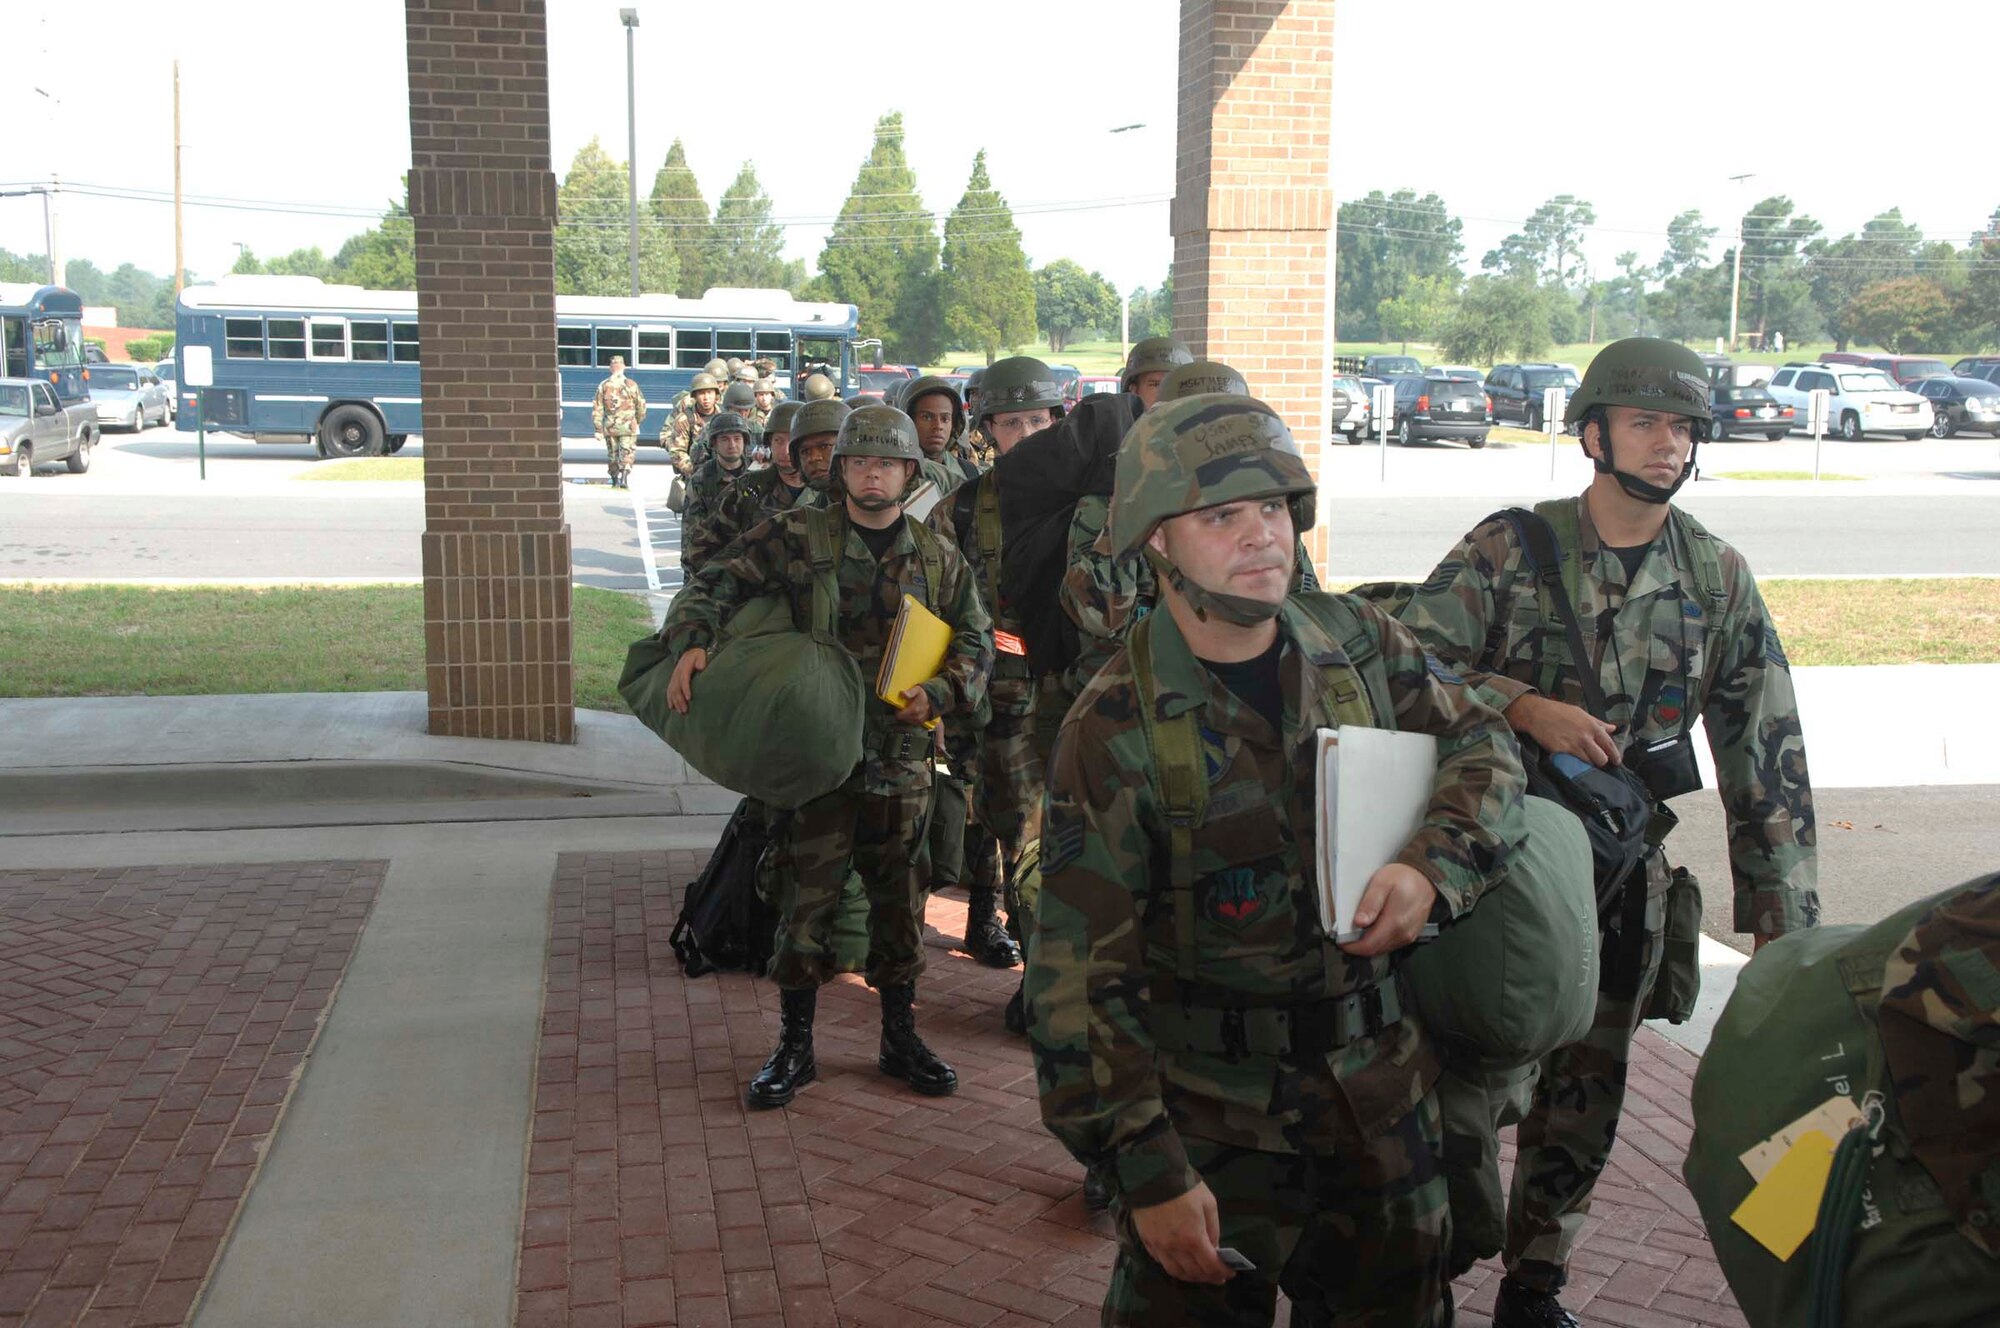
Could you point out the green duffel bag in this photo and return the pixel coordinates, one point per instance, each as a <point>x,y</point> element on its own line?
<point>1516,977</point>
<point>1902,1020</point>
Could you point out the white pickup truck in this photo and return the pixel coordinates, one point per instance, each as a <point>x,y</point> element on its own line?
<point>38,430</point>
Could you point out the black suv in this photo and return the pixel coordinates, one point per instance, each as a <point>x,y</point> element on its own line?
<point>1740,410</point>
<point>1440,408</point>
<point>1517,390</point>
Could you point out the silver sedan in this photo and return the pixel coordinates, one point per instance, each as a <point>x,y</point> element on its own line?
<point>129,396</point>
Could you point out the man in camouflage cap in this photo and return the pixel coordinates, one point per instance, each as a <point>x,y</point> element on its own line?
<point>727,440</point>
<point>1683,633</point>
<point>1244,1079</point>
<point>692,413</point>
<point>1021,397</point>
<point>876,819</point>
<point>616,414</point>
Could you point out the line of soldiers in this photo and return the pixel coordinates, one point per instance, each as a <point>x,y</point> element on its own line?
<point>1131,614</point>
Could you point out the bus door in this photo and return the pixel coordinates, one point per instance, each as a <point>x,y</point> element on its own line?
<point>775,343</point>
<point>821,355</point>
<point>14,337</point>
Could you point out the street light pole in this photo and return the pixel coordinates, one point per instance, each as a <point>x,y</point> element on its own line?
<point>1736,278</point>
<point>630,18</point>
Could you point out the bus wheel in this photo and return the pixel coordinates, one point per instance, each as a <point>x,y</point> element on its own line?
<point>350,431</point>
<point>396,441</point>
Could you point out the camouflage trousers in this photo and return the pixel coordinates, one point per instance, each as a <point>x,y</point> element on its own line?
<point>1565,1140</point>
<point>619,449</point>
<point>879,836</point>
<point>1360,1234</point>
<point>1007,808</point>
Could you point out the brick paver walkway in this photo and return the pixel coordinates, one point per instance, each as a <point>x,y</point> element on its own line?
<point>153,1022</point>
<point>654,1197</point>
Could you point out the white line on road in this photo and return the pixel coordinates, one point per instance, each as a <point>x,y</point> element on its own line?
<point>645,541</point>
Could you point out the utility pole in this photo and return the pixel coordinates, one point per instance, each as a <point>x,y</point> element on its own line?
<point>180,265</point>
<point>1125,323</point>
<point>630,18</point>
<point>1736,278</point>
<point>52,226</point>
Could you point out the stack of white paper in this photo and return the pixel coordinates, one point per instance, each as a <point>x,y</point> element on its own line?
<point>1374,786</point>
<point>921,500</point>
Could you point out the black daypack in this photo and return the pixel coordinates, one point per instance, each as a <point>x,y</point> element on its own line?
<point>724,922</point>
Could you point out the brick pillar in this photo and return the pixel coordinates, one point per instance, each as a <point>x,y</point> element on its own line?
<point>1253,209</point>
<point>483,196</point>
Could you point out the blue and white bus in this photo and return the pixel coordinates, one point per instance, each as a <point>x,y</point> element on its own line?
<point>41,336</point>
<point>297,360</point>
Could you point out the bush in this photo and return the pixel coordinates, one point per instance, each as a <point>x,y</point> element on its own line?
<point>144,350</point>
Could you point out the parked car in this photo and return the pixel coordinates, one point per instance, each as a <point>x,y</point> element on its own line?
<point>1516,391</point>
<point>130,396</point>
<point>1067,377</point>
<point>169,377</point>
<point>1091,385</point>
<point>1862,401</point>
<point>1962,403</point>
<point>1748,411</point>
<point>1390,366</point>
<point>1978,366</point>
<point>1354,420</point>
<point>1440,408</point>
<point>1461,371</point>
<point>874,380</point>
<point>1904,369</point>
<point>37,430</point>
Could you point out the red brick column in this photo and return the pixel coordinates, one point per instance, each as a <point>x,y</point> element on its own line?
<point>483,196</point>
<point>1253,209</point>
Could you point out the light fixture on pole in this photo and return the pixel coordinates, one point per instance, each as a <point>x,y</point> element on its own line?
<point>1736,278</point>
<point>630,18</point>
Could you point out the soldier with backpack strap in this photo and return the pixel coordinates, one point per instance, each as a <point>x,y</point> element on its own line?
<point>1669,625</point>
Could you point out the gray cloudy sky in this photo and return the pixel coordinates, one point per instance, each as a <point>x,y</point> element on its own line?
<point>296,109</point>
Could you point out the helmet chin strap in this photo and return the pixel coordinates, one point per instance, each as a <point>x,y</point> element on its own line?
<point>1632,484</point>
<point>1238,609</point>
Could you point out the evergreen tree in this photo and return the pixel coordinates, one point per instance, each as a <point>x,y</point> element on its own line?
<point>382,258</point>
<point>592,255</point>
<point>989,298</point>
<point>882,255</point>
<point>681,215</point>
<point>746,249</point>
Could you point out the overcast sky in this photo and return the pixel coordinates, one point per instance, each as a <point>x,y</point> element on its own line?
<point>1643,109</point>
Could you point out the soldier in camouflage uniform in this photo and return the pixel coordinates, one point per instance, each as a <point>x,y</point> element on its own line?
<point>876,819</point>
<point>741,398</point>
<point>933,406</point>
<point>1023,397</point>
<point>763,494</point>
<point>616,413</point>
<point>692,413</point>
<point>1670,649</point>
<point>766,394</point>
<point>727,439</point>
<point>974,444</point>
<point>1244,1080</point>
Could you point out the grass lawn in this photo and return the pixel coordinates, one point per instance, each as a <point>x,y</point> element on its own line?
<point>1776,475</point>
<point>204,640</point>
<point>365,468</point>
<point>1953,620</point>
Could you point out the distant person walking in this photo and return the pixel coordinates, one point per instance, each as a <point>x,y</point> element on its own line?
<point>615,416</point>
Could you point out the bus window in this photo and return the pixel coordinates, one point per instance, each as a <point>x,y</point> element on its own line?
<point>243,338</point>
<point>15,333</point>
<point>776,346</point>
<point>694,347</point>
<point>819,355</point>
<point>406,343</point>
<point>329,339</point>
<point>733,344</point>
<point>656,348</point>
<point>371,341</point>
<point>613,341</point>
<point>573,346</point>
<point>287,338</point>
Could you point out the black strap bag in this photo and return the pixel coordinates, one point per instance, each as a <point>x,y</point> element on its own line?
<point>724,922</point>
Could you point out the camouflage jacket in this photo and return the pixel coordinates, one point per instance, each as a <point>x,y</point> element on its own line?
<point>1105,930</point>
<point>683,433</point>
<point>618,408</point>
<point>705,491</point>
<point>751,500</point>
<point>1480,611</point>
<point>954,466</point>
<point>964,532</point>
<point>774,558</point>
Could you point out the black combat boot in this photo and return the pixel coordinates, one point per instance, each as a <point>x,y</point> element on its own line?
<point>1522,1306</point>
<point>985,939</point>
<point>1097,1194</point>
<point>791,1066</point>
<point>904,1055</point>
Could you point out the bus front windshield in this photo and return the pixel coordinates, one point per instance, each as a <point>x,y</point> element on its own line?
<point>58,344</point>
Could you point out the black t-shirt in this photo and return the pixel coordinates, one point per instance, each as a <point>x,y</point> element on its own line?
<point>1256,683</point>
<point>1631,557</point>
<point>878,541</point>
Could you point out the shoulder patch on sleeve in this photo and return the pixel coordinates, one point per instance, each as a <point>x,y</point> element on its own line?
<point>1774,650</point>
<point>1441,579</point>
<point>1440,672</point>
<point>1062,837</point>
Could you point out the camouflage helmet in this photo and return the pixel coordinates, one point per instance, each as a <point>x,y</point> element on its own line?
<point>720,368</point>
<point>1020,382</point>
<point>818,387</point>
<point>739,396</point>
<point>878,431</point>
<point>1198,376</point>
<point>931,385</point>
<point>1202,451</point>
<point>727,421</point>
<point>704,382</point>
<point>781,417</point>
<point>1152,355</point>
<point>892,395</point>
<point>823,416</point>
<point>1647,372</point>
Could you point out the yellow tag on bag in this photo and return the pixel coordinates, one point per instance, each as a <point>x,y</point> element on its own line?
<point>1779,1214</point>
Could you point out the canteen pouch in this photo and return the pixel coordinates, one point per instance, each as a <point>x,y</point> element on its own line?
<point>677,496</point>
<point>1679,982</point>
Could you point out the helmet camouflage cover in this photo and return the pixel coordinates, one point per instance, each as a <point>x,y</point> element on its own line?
<point>705,382</point>
<point>727,421</point>
<point>1202,451</point>
<point>1198,376</point>
<point>739,396</point>
<point>1151,356</point>
<point>1019,382</point>
<point>1646,372</point>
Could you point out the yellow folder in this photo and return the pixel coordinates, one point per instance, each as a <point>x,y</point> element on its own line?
<point>916,650</point>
